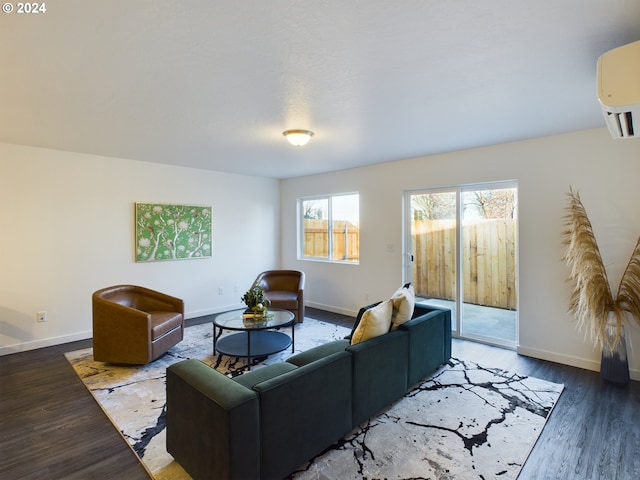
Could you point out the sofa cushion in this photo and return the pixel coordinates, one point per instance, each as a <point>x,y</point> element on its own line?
<point>358,318</point>
<point>163,322</point>
<point>261,374</point>
<point>374,322</point>
<point>284,299</point>
<point>404,300</point>
<point>316,353</point>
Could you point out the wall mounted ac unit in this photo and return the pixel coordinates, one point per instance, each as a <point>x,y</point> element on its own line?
<point>618,78</point>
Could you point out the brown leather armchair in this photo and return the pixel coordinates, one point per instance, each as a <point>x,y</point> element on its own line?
<point>135,325</point>
<point>284,289</point>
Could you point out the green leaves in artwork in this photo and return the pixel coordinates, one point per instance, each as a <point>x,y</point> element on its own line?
<point>172,232</point>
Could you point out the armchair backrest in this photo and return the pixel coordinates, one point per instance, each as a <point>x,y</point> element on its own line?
<point>140,298</point>
<point>281,280</point>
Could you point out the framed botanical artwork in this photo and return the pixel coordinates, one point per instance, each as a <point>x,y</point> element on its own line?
<point>172,232</point>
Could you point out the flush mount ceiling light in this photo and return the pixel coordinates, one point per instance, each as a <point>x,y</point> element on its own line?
<point>298,137</point>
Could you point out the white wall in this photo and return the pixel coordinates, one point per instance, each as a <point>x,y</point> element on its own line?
<point>67,229</point>
<point>605,171</point>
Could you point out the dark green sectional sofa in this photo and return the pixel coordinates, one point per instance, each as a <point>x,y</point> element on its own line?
<point>267,423</point>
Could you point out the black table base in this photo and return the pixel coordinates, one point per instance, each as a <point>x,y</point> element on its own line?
<point>260,344</point>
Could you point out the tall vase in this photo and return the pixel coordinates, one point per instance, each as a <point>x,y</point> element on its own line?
<point>615,367</point>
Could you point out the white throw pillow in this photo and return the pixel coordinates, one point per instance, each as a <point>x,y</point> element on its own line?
<point>374,322</point>
<point>404,301</point>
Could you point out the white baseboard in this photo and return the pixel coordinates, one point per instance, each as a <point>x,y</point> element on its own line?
<point>227,308</point>
<point>331,308</point>
<point>49,342</point>
<point>526,351</point>
<point>213,311</point>
<point>45,342</point>
<point>568,360</point>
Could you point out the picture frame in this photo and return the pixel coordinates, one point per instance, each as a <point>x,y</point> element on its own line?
<point>165,231</point>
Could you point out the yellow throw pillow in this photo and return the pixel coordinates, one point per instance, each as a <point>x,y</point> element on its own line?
<point>374,322</point>
<point>404,301</point>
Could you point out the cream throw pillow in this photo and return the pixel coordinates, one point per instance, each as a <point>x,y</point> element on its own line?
<point>374,322</point>
<point>404,301</point>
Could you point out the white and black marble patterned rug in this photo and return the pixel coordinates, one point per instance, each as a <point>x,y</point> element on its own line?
<point>464,422</point>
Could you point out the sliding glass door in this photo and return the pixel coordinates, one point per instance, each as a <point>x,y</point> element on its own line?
<point>432,265</point>
<point>461,246</point>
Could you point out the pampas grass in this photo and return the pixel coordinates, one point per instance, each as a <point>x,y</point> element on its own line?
<point>591,299</point>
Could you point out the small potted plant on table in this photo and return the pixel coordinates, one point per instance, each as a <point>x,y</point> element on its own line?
<point>256,301</point>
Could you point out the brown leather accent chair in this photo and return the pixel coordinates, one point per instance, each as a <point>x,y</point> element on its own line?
<point>135,325</point>
<point>284,289</point>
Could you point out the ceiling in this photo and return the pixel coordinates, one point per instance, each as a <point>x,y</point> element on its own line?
<point>213,84</point>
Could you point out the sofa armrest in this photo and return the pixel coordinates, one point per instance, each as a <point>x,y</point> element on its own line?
<point>447,325</point>
<point>379,373</point>
<point>429,341</point>
<point>212,423</point>
<point>303,411</point>
<point>420,309</point>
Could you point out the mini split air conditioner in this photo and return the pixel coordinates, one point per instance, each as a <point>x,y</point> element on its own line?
<point>618,78</point>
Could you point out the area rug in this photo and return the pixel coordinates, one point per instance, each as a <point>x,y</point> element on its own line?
<point>464,422</point>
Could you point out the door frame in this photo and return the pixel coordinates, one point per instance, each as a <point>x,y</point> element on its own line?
<point>407,257</point>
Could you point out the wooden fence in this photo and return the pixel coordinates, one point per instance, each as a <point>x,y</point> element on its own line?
<point>488,261</point>
<point>346,240</point>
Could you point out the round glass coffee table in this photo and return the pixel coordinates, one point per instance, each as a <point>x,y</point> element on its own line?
<point>256,336</point>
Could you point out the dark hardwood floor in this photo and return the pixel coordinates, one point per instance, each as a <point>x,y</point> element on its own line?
<point>50,425</point>
<point>51,428</point>
<point>593,431</point>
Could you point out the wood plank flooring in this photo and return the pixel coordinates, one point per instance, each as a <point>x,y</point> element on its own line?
<point>594,429</point>
<point>51,428</point>
<point>50,425</point>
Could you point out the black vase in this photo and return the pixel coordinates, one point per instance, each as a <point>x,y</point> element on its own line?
<point>615,367</point>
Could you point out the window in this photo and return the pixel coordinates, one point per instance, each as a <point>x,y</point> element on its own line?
<point>330,228</point>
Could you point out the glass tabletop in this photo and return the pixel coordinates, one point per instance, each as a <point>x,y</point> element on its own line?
<point>235,320</point>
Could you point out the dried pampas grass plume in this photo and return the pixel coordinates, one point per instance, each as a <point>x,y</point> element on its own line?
<point>591,299</point>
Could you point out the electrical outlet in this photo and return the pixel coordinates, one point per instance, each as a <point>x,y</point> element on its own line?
<point>220,290</point>
<point>41,316</point>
